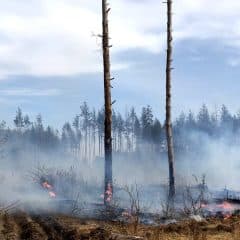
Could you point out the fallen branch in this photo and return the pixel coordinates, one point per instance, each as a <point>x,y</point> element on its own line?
<point>9,208</point>
<point>116,236</point>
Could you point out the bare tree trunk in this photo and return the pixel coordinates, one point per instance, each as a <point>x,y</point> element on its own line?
<point>85,145</point>
<point>99,144</point>
<point>108,105</point>
<point>89,145</point>
<point>94,143</point>
<point>168,103</point>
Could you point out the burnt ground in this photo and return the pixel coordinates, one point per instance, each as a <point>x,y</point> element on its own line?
<point>59,227</point>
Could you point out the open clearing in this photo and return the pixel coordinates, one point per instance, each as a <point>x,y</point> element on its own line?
<point>59,227</point>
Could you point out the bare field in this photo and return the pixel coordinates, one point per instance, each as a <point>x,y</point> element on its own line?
<point>59,227</point>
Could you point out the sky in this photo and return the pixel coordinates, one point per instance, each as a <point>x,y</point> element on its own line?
<point>51,60</point>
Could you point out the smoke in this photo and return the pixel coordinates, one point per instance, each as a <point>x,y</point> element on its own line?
<point>75,179</point>
<point>217,158</point>
<point>22,176</point>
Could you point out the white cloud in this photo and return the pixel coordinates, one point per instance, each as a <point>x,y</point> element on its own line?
<point>234,62</point>
<point>28,92</point>
<point>8,102</point>
<point>54,37</point>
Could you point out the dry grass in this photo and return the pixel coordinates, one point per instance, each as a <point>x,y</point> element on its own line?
<point>212,229</point>
<point>66,227</point>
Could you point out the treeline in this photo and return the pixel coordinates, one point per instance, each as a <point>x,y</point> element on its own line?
<point>83,137</point>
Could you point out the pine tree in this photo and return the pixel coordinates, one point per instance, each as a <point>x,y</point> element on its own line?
<point>108,105</point>
<point>156,134</point>
<point>146,122</point>
<point>168,103</point>
<point>19,121</point>
<point>86,121</point>
<point>203,120</point>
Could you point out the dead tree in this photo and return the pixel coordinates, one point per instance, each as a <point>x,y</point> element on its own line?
<point>169,130</point>
<point>108,105</point>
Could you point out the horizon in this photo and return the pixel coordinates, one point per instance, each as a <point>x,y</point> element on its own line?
<point>216,111</point>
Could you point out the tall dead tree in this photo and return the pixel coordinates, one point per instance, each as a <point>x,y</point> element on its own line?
<point>108,105</point>
<point>169,130</point>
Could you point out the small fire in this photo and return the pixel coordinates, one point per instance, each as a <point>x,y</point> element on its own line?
<point>226,206</point>
<point>108,193</point>
<point>49,187</point>
<point>227,209</point>
<point>224,209</point>
<point>127,214</point>
<point>52,194</point>
<point>227,216</point>
<point>203,205</point>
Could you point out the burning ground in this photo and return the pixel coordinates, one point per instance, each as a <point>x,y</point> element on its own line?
<point>56,214</point>
<point>66,203</point>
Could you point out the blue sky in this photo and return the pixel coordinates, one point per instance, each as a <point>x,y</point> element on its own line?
<point>50,60</point>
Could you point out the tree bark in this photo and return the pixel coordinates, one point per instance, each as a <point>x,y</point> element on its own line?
<point>168,103</point>
<point>108,105</point>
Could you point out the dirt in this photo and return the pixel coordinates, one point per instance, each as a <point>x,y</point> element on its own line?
<point>60,227</point>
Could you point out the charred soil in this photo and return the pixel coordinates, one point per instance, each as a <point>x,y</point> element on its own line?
<point>60,227</point>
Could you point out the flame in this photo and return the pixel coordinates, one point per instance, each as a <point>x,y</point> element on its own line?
<point>108,193</point>
<point>52,194</point>
<point>49,187</point>
<point>227,216</point>
<point>226,206</point>
<point>203,205</point>
<point>127,214</point>
<point>225,209</point>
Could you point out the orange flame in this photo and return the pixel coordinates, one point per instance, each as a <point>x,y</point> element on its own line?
<point>226,206</point>
<point>227,216</point>
<point>49,187</point>
<point>52,194</point>
<point>108,193</point>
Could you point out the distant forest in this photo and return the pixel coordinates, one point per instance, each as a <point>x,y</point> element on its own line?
<point>132,133</point>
